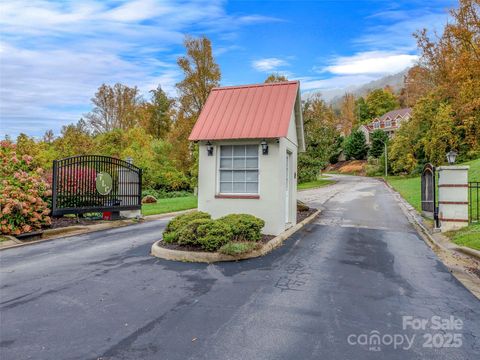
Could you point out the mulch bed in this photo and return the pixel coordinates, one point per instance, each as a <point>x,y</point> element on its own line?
<point>72,221</point>
<point>302,215</point>
<point>263,240</point>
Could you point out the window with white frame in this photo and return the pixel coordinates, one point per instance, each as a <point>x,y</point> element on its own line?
<point>388,123</point>
<point>238,169</point>
<point>376,125</point>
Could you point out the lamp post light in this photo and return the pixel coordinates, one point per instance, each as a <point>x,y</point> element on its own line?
<point>264,147</point>
<point>209,148</point>
<point>451,157</point>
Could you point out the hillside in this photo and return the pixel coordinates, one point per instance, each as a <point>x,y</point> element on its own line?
<point>334,96</point>
<point>395,81</point>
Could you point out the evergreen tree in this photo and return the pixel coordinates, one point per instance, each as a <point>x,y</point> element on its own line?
<point>379,137</point>
<point>356,146</point>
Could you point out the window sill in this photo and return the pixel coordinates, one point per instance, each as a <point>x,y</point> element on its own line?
<point>239,196</point>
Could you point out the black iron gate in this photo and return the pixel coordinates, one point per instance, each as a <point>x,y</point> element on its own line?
<point>95,183</point>
<point>428,191</point>
<point>473,201</point>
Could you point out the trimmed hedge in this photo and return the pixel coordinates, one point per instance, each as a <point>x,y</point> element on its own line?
<point>198,229</point>
<point>245,227</point>
<point>170,234</point>
<point>213,235</point>
<point>188,234</point>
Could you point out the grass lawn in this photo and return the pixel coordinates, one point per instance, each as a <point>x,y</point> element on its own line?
<point>170,205</point>
<point>409,188</point>
<point>314,184</point>
<point>468,236</point>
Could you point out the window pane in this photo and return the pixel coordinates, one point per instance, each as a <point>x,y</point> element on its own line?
<point>239,176</point>
<point>225,175</point>
<point>225,187</point>
<point>226,150</point>
<point>239,187</point>
<point>252,150</point>
<point>239,163</point>
<point>252,163</point>
<point>252,187</point>
<point>252,175</point>
<point>225,163</point>
<point>239,150</point>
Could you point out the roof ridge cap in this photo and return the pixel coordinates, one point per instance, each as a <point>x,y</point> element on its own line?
<point>290,82</point>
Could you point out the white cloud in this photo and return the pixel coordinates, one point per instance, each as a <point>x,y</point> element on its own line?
<point>54,55</point>
<point>397,34</point>
<point>371,62</point>
<point>268,64</point>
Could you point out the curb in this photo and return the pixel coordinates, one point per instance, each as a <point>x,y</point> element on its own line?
<point>53,234</point>
<point>206,257</point>
<point>475,254</point>
<point>165,215</point>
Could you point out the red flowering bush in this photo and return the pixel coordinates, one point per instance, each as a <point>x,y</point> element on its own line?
<point>23,193</point>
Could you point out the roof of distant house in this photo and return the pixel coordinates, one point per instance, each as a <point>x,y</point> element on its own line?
<point>248,112</point>
<point>394,113</point>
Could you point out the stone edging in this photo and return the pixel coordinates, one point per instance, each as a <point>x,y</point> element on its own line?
<point>207,257</point>
<point>52,234</point>
<point>432,239</point>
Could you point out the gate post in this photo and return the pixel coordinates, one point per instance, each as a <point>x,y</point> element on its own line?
<point>452,197</point>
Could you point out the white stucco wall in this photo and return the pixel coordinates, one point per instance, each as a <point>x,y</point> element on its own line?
<point>452,196</point>
<point>271,205</point>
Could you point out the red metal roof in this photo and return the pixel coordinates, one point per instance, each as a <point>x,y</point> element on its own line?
<point>247,112</point>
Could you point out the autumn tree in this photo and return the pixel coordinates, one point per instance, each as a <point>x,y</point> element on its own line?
<point>275,77</point>
<point>74,139</point>
<point>321,138</point>
<point>156,115</point>
<point>115,107</point>
<point>48,137</point>
<point>348,119</point>
<point>201,75</point>
<point>361,111</point>
<point>453,62</point>
<point>381,101</point>
<point>417,83</point>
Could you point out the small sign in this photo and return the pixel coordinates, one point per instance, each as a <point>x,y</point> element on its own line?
<point>103,183</point>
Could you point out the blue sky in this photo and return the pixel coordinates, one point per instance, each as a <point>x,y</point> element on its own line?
<point>55,54</point>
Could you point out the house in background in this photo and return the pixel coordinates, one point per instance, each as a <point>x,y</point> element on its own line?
<point>249,137</point>
<point>389,122</point>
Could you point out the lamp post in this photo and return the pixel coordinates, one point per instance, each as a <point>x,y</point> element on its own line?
<point>451,157</point>
<point>386,159</point>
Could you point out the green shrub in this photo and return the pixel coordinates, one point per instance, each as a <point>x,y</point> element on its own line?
<point>245,227</point>
<point>187,235</point>
<point>213,235</point>
<point>169,237</point>
<point>170,234</point>
<point>238,247</point>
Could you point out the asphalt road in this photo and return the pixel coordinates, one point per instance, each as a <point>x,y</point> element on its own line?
<point>332,287</point>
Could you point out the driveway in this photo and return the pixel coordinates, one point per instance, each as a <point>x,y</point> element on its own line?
<point>352,274</point>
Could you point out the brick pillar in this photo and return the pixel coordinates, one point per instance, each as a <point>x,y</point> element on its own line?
<point>452,197</point>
